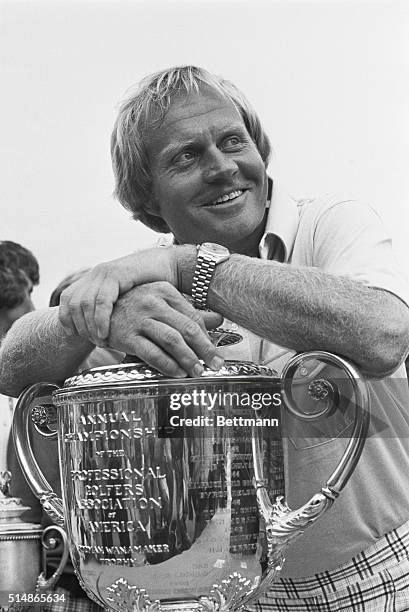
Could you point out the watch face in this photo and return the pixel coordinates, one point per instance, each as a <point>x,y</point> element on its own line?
<point>217,249</point>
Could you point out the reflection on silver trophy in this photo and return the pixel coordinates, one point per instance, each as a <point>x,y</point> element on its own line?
<point>170,486</point>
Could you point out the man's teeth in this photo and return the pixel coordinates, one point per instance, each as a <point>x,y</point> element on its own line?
<point>227,197</point>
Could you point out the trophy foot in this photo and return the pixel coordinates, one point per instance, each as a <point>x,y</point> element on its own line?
<point>231,595</point>
<point>126,598</point>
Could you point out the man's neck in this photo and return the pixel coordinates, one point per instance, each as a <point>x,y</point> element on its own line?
<point>250,245</point>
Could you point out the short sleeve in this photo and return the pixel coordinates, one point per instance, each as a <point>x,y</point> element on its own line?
<point>349,238</point>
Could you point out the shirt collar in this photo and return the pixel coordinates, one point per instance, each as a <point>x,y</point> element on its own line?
<point>282,222</point>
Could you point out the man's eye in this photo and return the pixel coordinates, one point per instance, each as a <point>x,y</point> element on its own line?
<point>232,141</point>
<point>185,157</point>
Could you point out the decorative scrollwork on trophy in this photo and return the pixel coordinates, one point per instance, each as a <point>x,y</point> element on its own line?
<point>230,594</point>
<point>285,525</point>
<point>48,500</point>
<point>128,598</point>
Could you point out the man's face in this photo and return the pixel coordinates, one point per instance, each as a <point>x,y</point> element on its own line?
<point>209,181</point>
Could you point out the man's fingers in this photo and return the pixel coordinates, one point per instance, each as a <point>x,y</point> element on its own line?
<point>154,356</point>
<point>206,319</point>
<point>86,307</point>
<point>94,305</point>
<point>104,302</point>
<point>70,314</point>
<point>194,337</point>
<point>179,314</point>
<point>79,322</point>
<point>160,314</point>
<point>176,300</point>
<point>173,343</point>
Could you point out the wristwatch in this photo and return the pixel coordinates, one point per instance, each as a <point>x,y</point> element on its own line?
<point>209,255</point>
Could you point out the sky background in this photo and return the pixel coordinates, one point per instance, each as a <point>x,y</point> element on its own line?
<point>330,81</point>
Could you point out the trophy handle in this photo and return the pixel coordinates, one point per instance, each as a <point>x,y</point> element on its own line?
<point>49,543</point>
<point>39,392</point>
<point>283,525</point>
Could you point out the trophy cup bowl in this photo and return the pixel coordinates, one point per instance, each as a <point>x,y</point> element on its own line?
<point>166,485</point>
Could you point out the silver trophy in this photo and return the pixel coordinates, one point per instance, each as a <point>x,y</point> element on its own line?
<point>23,551</point>
<point>169,495</point>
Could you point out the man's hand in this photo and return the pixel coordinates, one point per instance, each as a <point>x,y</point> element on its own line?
<point>158,325</point>
<point>86,306</point>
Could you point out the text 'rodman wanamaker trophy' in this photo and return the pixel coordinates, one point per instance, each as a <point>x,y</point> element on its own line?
<point>170,487</point>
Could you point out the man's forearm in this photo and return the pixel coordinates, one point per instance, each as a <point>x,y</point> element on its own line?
<point>307,308</point>
<point>38,348</point>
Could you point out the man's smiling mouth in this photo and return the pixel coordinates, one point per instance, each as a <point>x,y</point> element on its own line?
<point>232,195</point>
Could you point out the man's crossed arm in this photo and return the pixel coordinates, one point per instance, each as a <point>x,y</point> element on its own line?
<point>135,305</point>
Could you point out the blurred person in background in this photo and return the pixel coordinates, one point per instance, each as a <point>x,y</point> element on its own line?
<point>19,273</point>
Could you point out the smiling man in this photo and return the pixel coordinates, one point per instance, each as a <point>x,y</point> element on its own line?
<point>190,157</point>
<point>207,173</point>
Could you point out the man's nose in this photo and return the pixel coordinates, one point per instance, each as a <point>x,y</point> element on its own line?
<point>218,166</point>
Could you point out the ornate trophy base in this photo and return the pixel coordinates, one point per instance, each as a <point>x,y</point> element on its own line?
<point>231,595</point>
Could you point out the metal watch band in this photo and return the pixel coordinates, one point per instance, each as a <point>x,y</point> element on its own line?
<point>201,280</point>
